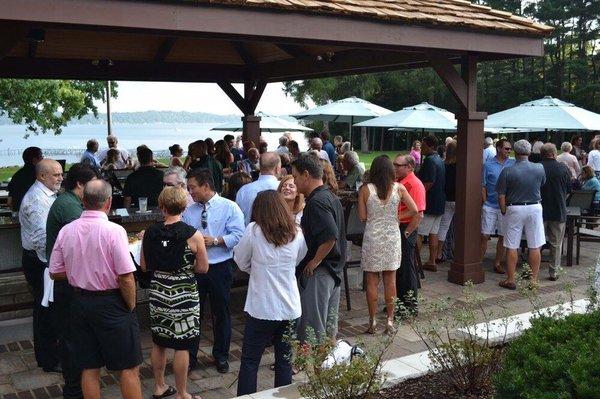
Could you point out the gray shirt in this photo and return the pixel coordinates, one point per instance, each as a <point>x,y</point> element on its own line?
<point>521,182</point>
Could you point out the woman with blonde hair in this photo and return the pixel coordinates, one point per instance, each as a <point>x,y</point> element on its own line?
<point>270,250</point>
<point>174,252</point>
<point>415,152</point>
<point>294,200</point>
<point>329,176</point>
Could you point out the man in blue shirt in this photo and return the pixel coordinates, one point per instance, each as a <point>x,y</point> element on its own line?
<point>89,156</point>
<point>221,222</point>
<point>270,166</point>
<point>328,147</point>
<point>491,218</point>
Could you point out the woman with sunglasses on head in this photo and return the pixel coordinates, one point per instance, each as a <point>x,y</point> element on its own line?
<point>270,249</point>
<point>173,251</point>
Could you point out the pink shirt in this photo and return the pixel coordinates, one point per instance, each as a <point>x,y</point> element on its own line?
<point>93,252</point>
<point>417,156</point>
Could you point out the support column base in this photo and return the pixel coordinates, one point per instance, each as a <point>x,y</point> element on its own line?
<point>461,273</point>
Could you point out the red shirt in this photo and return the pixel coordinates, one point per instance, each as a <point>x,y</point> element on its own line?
<point>416,190</point>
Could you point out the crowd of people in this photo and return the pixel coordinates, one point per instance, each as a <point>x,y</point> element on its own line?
<point>274,215</point>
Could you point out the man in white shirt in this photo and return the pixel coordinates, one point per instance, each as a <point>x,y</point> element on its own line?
<point>317,145</point>
<point>489,151</point>
<point>32,217</point>
<point>282,149</point>
<point>270,166</point>
<point>124,157</point>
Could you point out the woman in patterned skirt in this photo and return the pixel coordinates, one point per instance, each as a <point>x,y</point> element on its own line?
<point>173,251</point>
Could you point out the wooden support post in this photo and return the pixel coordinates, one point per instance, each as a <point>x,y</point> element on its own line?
<point>253,91</point>
<point>467,218</point>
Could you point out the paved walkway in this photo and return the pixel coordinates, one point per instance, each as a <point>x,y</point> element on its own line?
<point>20,378</point>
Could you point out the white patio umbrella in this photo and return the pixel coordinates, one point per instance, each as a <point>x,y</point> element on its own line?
<point>268,123</point>
<point>545,114</point>
<point>349,110</point>
<point>422,116</point>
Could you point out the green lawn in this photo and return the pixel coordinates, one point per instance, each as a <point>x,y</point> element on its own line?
<point>367,158</point>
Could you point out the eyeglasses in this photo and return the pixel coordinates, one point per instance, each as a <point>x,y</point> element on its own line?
<point>204,219</point>
<point>169,185</point>
<point>399,165</point>
<point>507,148</point>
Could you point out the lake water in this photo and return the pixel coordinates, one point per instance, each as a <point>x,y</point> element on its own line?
<point>156,136</point>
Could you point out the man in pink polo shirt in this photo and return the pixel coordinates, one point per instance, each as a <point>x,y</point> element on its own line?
<point>92,253</point>
<point>407,280</point>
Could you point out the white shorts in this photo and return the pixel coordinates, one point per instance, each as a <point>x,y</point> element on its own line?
<point>492,221</point>
<point>430,224</point>
<point>524,218</point>
<point>446,220</point>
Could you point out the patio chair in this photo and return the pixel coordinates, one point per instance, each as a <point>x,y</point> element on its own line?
<point>585,231</point>
<point>354,233</point>
<point>583,199</point>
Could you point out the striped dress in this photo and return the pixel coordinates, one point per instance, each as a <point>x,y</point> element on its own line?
<point>174,301</point>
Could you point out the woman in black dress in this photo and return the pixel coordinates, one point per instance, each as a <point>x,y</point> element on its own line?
<point>173,251</point>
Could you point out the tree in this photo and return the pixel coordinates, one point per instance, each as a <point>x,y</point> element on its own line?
<point>48,105</point>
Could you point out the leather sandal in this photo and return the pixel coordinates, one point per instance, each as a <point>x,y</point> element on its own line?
<point>507,285</point>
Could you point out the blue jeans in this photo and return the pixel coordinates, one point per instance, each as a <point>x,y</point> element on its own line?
<point>258,334</point>
<point>216,284</point>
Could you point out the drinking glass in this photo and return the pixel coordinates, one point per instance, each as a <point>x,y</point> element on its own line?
<point>143,202</point>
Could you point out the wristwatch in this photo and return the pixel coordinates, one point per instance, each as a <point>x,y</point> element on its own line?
<point>215,242</point>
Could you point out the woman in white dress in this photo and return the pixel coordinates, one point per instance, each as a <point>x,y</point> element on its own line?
<point>378,204</point>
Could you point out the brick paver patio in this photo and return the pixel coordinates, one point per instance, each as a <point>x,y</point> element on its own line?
<point>21,378</point>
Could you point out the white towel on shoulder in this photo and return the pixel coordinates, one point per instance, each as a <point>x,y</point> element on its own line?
<point>48,289</point>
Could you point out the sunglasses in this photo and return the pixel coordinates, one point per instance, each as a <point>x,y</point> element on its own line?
<point>507,148</point>
<point>204,219</point>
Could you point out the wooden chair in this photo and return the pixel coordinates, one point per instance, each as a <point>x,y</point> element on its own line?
<point>585,231</point>
<point>354,233</point>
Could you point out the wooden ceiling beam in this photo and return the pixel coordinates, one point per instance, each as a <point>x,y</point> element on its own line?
<point>164,49</point>
<point>10,39</point>
<point>234,96</point>
<point>47,68</point>
<point>291,50</point>
<point>243,52</point>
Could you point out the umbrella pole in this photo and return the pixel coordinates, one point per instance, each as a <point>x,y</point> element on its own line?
<point>350,132</point>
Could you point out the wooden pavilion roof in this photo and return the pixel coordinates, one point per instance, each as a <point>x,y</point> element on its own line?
<point>449,13</point>
<point>245,40</point>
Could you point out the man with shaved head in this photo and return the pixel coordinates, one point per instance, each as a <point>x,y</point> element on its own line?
<point>270,166</point>
<point>33,214</point>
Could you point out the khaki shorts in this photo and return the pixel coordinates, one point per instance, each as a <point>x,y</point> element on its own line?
<point>430,224</point>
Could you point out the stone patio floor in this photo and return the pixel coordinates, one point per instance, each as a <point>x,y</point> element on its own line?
<point>21,378</point>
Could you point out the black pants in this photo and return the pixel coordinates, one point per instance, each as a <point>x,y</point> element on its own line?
<point>258,334</point>
<point>217,285</point>
<point>61,312</point>
<point>45,341</point>
<point>407,281</point>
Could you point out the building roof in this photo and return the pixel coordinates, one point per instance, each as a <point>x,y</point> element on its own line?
<point>450,13</point>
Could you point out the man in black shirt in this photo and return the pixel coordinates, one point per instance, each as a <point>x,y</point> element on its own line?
<point>23,178</point>
<point>205,160</point>
<point>320,270</point>
<point>147,181</point>
<point>433,176</point>
<point>554,204</point>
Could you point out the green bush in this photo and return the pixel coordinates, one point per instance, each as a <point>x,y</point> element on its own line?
<point>555,358</point>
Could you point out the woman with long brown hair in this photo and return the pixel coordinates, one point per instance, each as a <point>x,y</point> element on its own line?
<point>270,249</point>
<point>381,250</point>
<point>293,199</point>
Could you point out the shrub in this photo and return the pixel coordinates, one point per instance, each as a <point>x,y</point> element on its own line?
<point>466,361</point>
<point>555,358</point>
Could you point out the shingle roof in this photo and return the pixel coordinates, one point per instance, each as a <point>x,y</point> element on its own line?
<point>450,13</point>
